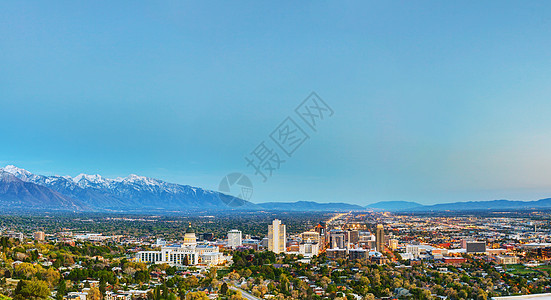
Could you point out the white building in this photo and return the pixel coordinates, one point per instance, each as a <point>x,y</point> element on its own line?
<point>189,253</point>
<point>235,238</point>
<point>277,237</point>
<point>159,243</point>
<point>413,250</point>
<point>309,248</point>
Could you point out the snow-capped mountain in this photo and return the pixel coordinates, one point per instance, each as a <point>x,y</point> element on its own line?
<point>19,194</point>
<point>132,193</point>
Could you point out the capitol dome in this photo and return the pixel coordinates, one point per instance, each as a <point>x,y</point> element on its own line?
<point>189,237</point>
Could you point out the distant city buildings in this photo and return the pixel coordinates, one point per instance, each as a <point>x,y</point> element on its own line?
<point>507,260</point>
<point>475,247</point>
<point>277,237</point>
<point>413,251</point>
<point>234,239</point>
<point>393,244</point>
<point>159,243</point>
<point>39,236</point>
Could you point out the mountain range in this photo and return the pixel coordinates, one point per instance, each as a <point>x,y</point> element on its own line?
<point>405,206</point>
<point>21,189</point>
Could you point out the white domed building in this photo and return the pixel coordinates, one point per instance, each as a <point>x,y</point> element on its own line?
<point>187,254</point>
<point>190,240</point>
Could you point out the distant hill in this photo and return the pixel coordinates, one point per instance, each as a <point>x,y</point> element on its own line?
<point>309,206</point>
<point>485,205</point>
<point>393,205</point>
<point>405,206</point>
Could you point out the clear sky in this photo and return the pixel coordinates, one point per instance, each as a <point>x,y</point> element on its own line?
<point>433,101</point>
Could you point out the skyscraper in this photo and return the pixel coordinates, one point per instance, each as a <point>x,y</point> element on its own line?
<point>380,238</point>
<point>276,237</point>
<point>234,238</point>
<point>337,239</point>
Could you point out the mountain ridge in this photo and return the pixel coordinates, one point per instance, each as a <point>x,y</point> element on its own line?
<point>502,204</point>
<point>131,192</point>
<point>18,194</point>
<point>20,188</point>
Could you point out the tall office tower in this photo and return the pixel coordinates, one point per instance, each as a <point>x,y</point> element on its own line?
<point>337,239</point>
<point>235,238</point>
<point>353,237</point>
<point>276,237</point>
<point>313,236</point>
<point>380,238</point>
<point>321,228</point>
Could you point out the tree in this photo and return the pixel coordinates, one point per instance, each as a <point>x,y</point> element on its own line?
<point>212,273</point>
<point>325,281</point>
<point>61,290</point>
<point>32,289</point>
<point>224,289</point>
<point>234,276</point>
<point>102,286</point>
<point>51,276</point>
<point>283,283</point>
<point>94,294</point>
<point>196,296</point>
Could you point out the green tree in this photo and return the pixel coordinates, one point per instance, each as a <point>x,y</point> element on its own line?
<point>61,290</point>
<point>224,289</point>
<point>32,289</point>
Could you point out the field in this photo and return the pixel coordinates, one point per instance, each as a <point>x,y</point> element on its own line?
<point>523,270</point>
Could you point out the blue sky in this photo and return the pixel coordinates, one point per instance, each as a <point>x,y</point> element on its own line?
<point>434,101</point>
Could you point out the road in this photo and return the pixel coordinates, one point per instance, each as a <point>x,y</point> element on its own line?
<point>244,294</point>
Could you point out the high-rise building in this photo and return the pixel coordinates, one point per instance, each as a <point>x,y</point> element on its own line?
<point>321,229</point>
<point>313,236</point>
<point>337,239</point>
<point>413,250</point>
<point>309,248</point>
<point>353,237</point>
<point>235,238</point>
<point>276,237</point>
<point>39,235</point>
<point>380,238</point>
<point>393,244</point>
